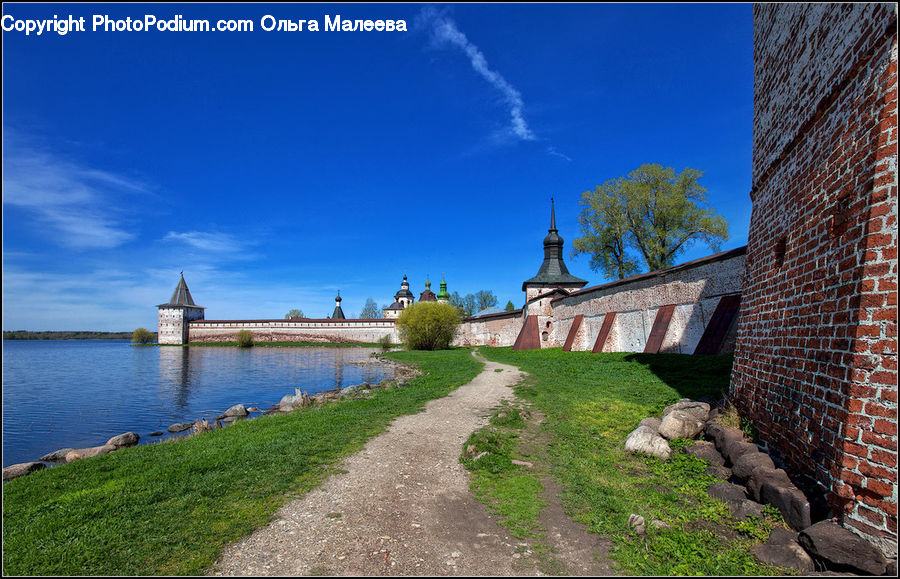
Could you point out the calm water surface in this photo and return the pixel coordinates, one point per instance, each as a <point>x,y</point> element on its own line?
<point>78,393</point>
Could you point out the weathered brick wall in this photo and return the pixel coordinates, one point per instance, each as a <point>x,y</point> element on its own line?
<point>364,331</point>
<point>816,355</point>
<point>695,289</point>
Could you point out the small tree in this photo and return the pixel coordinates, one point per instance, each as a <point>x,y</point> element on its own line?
<point>141,336</point>
<point>428,325</point>
<point>244,339</point>
<point>295,313</point>
<point>510,307</point>
<point>484,299</point>
<point>385,342</point>
<point>370,311</point>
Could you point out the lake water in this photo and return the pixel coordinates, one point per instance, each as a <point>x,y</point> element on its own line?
<point>79,393</point>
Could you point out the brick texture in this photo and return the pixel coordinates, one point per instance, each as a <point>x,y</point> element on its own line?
<point>816,354</point>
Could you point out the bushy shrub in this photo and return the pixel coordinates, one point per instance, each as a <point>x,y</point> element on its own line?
<point>428,325</point>
<point>141,336</point>
<point>244,339</point>
<point>385,342</point>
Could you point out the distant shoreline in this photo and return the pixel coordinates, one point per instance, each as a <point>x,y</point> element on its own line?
<point>70,335</point>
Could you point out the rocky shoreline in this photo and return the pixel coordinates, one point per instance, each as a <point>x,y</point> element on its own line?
<point>288,403</point>
<point>751,479</point>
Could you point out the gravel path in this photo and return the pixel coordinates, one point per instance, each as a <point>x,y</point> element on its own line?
<point>403,506</point>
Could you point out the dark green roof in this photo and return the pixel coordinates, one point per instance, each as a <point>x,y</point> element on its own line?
<point>553,270</point>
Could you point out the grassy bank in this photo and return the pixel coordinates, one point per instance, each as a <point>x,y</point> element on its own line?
<point>169,508</point>
<point>591,403</point>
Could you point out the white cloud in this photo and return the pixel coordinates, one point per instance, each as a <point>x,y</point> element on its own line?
<point>205,241</point>
<point>555,153</point>
<point>445,32</point>
<point>74,204</point>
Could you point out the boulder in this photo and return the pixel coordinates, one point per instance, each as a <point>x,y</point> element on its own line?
<point>80,453</point>
<point>123,440</point>
<point>21,469</point>
<point>646,440</point>
<point>636,524</point>
<point>56,455</point>
<point>156,433</point>
<point>696,410</point>
<point>720,472</point>
<point>293,401</point>
<point>725,491</point>
<point>680,424</point>
<point>722,435</point>
<point>735,449</point>
<point>237,411</point>
<point>790,500</point>
<point>201,425</point>
<point>746,508</point>
<point>706,451</point>
<point>651,422</point>
<point>841,550</point>
<point>744,466</point>
<point>735,496</point>
<point>761,476</point>
<point>783,550</point>
<point>180,426</point>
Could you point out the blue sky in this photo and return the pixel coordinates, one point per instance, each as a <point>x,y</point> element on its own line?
<point>276,168</point>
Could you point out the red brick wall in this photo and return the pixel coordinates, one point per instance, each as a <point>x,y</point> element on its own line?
<point>816,357</point>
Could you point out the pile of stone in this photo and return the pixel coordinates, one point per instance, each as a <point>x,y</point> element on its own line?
<point>288,403</point>
<point>70,455</point>
<point>750,480</point>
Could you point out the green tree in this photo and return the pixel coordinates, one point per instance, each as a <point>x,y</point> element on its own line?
<point>244,339</point>
<point>428,325</point>
<point>653,211</point>
<point>604,224</point>
<point>484,299</point>
<point>141,336</point>
<point>473,303</point>
<point>510,307</point>
<point>295,313</point>
<point>370,311</point>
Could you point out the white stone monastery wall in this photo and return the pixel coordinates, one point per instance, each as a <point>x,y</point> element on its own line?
<point>695,289</point>
<point>366,331</point>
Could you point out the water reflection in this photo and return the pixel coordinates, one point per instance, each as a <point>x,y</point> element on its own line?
<point>175,373</point>
<point>81,393</point>
<point>257,376</point>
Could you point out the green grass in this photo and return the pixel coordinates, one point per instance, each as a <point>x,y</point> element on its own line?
<point>510,491</point>
<point>168,508</point>
<point>592,402</point>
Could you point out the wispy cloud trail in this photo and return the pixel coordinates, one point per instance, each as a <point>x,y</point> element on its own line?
<point>75,204</point>
<point>445,32</point>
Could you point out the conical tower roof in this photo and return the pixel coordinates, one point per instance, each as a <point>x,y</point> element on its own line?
<point>553,270</point>
<point>181,297</point>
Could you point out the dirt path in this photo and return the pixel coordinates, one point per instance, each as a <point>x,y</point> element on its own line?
<point>402,506</point>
